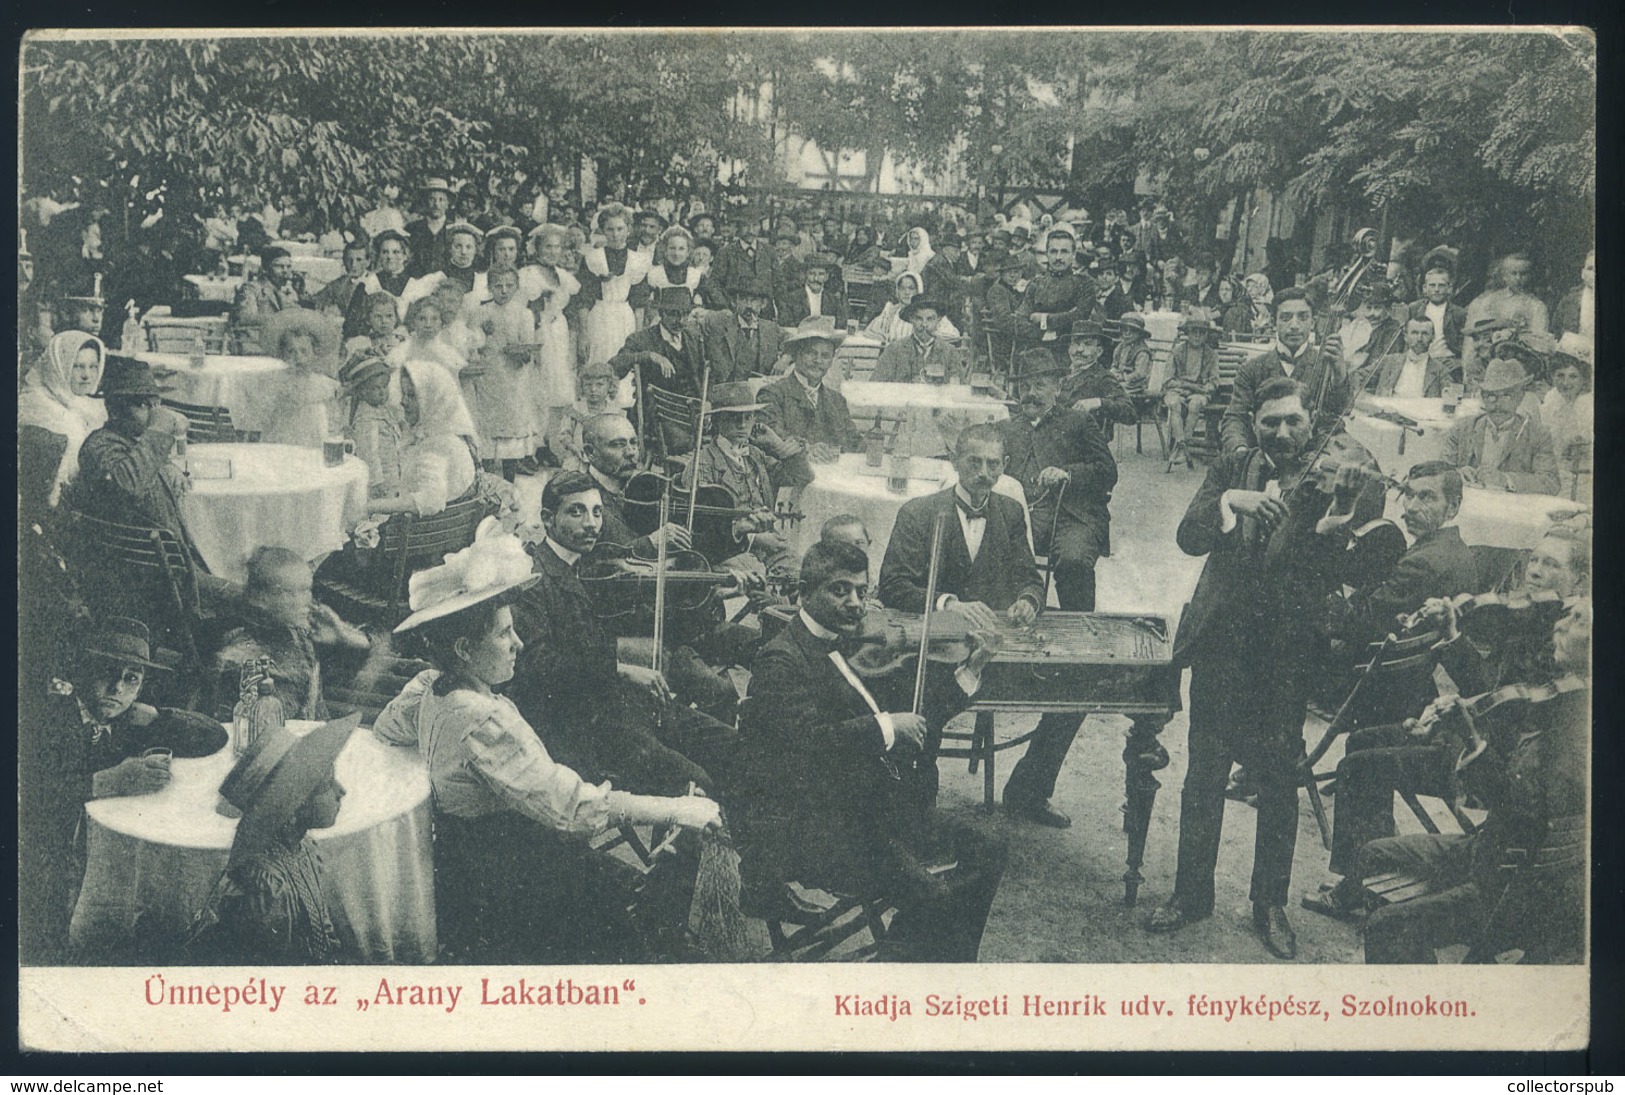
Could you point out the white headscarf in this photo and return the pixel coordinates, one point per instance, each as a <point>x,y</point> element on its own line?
<point>47,398</point>
<point>918,257</point>
<point>441,410</point>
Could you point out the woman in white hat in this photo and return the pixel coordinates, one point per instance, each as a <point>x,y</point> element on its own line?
<point>515,877</point>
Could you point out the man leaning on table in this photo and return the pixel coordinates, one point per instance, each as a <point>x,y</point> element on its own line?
<point>1418,372</point>
<point>91,742</point>
<point>1503,448</point>
<point>800,406</point>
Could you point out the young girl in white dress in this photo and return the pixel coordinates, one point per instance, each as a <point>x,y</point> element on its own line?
<point>611,320</point>
<point>550,286</point>
<point>503,407</point>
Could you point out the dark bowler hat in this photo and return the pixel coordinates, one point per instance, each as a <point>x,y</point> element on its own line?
<point>821,258</point>
<point>1036,362</point>
<point>921,301</point>
<point>674,298</point>
<point>122,640</point>
<point>1011,262</point>
<point>270,254</point>
<point>129,377</point>
<point>751,286</point>
<point>1088,328</point>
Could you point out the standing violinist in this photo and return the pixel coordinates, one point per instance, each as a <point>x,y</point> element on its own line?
<point>1274,532</point>
<point>1523,751</point>
<point>840,785</point>
<point>571,685</point>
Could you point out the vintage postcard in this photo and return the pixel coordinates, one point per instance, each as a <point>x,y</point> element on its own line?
<point>919,539</point>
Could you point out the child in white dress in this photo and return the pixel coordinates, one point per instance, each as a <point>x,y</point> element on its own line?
<point>611,320</point>
<point>549,287</point>
<point>502,406</point>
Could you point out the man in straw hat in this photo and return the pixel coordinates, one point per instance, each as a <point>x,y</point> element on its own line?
<point>801,407</point>
<point>95,740</point>
<point>1502,448</point>
<point>274,907</point>
<point>427,235</point>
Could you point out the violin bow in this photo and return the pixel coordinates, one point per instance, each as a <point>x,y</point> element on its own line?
<point>660,584</point>
<point>699,437</point>
<point>933,572</point>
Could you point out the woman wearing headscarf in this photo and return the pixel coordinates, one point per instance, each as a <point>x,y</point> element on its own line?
<point>920,251</point>
<point>863,254</point>
<point>1262,298</point>
<point>56,399</point>
<point>515,878</point>
<point>437,453</point>
<point>1235,314</point>
<point>890,324</point>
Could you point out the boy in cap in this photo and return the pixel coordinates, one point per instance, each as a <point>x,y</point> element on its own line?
<point>1131,359</point>
<point>1192,378</point>
<point>376,422</point>
<point>95,740</point>
<point>125,471</point>
<point>1503,448</point>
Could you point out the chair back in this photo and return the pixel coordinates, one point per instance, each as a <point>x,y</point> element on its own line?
<point>119,563</point>
<point>412,543</point>
<point>672,420</point>
<point>858,362</point>
<point>209,425</point>
<point>1399,684</point>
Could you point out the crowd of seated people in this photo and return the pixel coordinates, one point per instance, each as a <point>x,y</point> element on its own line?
<point>479,344</point>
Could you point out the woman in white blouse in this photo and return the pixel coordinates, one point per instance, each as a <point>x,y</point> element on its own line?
<point>437,457</point>
<point>889,324</point>
<point>515,878</point>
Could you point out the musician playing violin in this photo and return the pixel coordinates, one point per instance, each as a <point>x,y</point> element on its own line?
<point>1274,533</point>
<point>732,460</point>
<point>1523,751</point>
<point>571,686</point>
<point>840,784</point>
<point>610,444</point>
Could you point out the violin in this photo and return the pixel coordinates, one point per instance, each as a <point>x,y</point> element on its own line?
<point>891,639</point>
<point>1469,604</point>
<point>1432,720</point>
<point>643,492</point>
<point>623,584</point>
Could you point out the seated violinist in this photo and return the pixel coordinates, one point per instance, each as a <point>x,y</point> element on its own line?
<point>731,460</point>
<point>571,684</point>
<point>840,784</point>
<point>1523,750</point>
<point>1484,645</point>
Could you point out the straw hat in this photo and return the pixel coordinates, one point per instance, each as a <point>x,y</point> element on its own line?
<point>489,567</point>
<point>435,182</point>
<point>280,772</point>
<point>815,328</point>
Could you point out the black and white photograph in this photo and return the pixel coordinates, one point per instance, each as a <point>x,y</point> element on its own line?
<point>635,522</point>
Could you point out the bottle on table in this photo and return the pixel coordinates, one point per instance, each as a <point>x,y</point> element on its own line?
<point>874,445</point>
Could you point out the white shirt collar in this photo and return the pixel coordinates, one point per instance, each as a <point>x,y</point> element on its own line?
<point>818,630</point>
<point>812,389</point>
<point>570,557</point>
<point>603,481</point>
<point>1280,348</point>
<point>964,496</point>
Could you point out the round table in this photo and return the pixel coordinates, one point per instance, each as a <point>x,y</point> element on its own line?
<point>154,859</point>
<point>850,486</point>
<point>931,414</point>
<point>236,382</point>
<point>1396,447</point>
<point>278,495</point>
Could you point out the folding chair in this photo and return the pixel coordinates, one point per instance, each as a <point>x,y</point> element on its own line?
<point>209,425</point>
<point>813,936</point>
<point>375,589</point>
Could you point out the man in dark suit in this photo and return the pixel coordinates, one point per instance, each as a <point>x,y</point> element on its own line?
<point>1066,468</point>
<point>610,444</point>
<point>841,782</point>
<point>987,566</point>
<point>429,244</point>
<point>1449,321</point>
<point>337,296</point>
<point>800,407</point>
<point>1417,372</point>
<point>814,296</point>
<point>1294,355</point>
<point>745,260</point>
<point>742,342</point>
<point>1059,297</point>
<point>570,684</point>
<point>668,355</point>
<point>1250,635</point>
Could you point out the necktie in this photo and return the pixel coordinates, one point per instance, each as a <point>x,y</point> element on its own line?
<point>975,513</point>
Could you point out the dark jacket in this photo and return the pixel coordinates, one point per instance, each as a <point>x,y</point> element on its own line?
<point>430,250</point>
<point>793,307</point>
<point>1065,298</point>
<point>1069,440</point>
<point>734,267</point>
<point>902,363</point>
<point>1438,372</point>
<point>1319,372</point>
<point>790,412</point>
<point>1455,322</point>
<point>1439,565</point>
<point>1099,382</point>
<point>1004,568</point>
<point>728,350</point>
<point>568,686</point>
<point>1260,594</point>
<point>1566,317</point>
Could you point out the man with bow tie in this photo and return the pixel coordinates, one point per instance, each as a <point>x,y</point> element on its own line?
<point>841,779</point>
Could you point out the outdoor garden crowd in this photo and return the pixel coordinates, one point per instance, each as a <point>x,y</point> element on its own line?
<point>618,774</point>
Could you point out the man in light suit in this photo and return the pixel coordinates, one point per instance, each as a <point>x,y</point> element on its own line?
<point>742,342</point>
<point>801,407</point>
<point>1417,372</point>
<point>1503,448</point>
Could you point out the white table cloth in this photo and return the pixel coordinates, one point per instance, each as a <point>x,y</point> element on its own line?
<point>279,495</point>
<point>932,414</point>
<point>158,857</point>
<point>850,486</point>
<point>1384,438</point>
<point>1500,519</point>
<point>318,269</point>
<point>241,384</point>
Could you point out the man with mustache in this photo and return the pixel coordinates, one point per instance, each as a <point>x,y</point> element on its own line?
<point>1275,539</point>
<point>1065,465</point>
